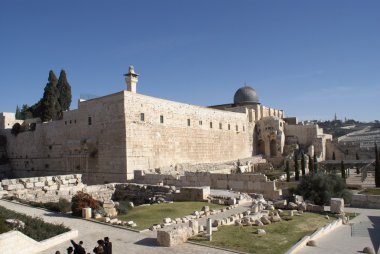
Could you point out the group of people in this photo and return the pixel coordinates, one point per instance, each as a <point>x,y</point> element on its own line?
<point>103,247</point>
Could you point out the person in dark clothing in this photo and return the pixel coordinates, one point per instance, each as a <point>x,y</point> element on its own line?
<point>107,246</point>
<point>70,250</point>
<point>78,248</point>
<point>100,248</point>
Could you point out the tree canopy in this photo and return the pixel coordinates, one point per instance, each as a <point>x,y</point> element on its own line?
<point>64,89</point>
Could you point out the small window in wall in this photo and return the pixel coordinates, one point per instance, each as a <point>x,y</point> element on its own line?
<point>161,119</point>
<point>229,127</point>
<point>65,122</point>
<point>70,121</point>
<point>243,128</point>
<point>220,126</point>
<point>237,128</point>
<point>142,117</point>
<point>211,125</point>
<point>75,121</point>
<point>200,122</point>
<point>89,120</point>
<point>188,122</point>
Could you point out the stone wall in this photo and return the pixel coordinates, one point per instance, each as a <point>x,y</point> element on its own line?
<point>141,194</point>
<point>89,141</point>
<point>238,182</point>
<point>172,133</point>
<point>42,189</point>
<point>307,136</point>
<point>365,201</point>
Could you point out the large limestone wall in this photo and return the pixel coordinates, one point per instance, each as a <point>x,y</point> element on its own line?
<point>72,145</point>
<point>152,144</point>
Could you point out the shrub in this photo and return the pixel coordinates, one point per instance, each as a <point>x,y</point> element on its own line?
<point>64,205</point>
<point>123,207</point>
<point>35,228</point>
<point>83,200</point>
<point>320,188</point>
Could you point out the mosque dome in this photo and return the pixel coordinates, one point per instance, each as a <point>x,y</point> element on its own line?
<point>246,95</point>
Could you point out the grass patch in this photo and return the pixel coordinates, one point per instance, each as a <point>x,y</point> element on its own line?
<point>279,237</point>
<point>35,228</point>
<point>146,216</point>
<point>370,191</point>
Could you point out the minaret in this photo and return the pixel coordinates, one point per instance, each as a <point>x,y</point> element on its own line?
<point>131,79</point>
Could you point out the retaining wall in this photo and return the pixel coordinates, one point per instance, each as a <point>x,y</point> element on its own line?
<point>366,201</point>
<point>237,182</point>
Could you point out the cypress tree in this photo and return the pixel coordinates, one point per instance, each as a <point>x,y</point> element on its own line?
<point>287,170</point>
<point>303,164</point>
<point>18,113</point>
<point>315,163</point>
<point>296,170</point>
<point>25,112</point>
<point>64,89</point>
<point>342,170</point>
<point>333,156</point>
<point>311,165</point>
<point>377,168</point>
<point>50,107</point>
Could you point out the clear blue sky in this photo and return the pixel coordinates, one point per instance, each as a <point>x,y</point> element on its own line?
<point>309,58</point>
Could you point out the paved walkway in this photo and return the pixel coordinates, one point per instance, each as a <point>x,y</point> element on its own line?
<point>124,241</point>
<point>363,231</point>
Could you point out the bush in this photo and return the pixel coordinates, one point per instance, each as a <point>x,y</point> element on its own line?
<point>83,200</point>
<point>123,207</point>
<point>320,188</point>
<point>35,228</point>
<point>64,205</point>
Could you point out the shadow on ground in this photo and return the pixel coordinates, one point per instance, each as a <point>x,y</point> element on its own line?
<point>374,233</point>
<point>150,242</point>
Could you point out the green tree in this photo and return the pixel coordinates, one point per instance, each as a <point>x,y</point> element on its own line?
<point>320,188</point>
<point>64,89</point>
<point>296,170</point>
<point>287,170</point>
<point>50,107</point>
<point>18,113</point>
<point>333,156</point>
<point>315,163</point>
<point>25,112</point>
<point>311,165</point>
<point>343,170</point>
<point>303,164</point>
<point>377,168</point>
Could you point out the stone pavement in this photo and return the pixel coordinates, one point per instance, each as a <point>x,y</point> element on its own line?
<point>365,231</point>
<point>124,241</point>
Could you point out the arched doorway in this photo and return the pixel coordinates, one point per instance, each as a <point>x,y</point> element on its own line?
<point>273,148</point>
<point>261,147</point>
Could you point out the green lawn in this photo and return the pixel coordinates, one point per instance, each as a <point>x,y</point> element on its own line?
<point>370,191</point>
<point>279,237</point>
<point>35,228</point>
<point>146,216</point>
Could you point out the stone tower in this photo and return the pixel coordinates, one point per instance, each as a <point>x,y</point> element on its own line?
<point>131,79</point>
